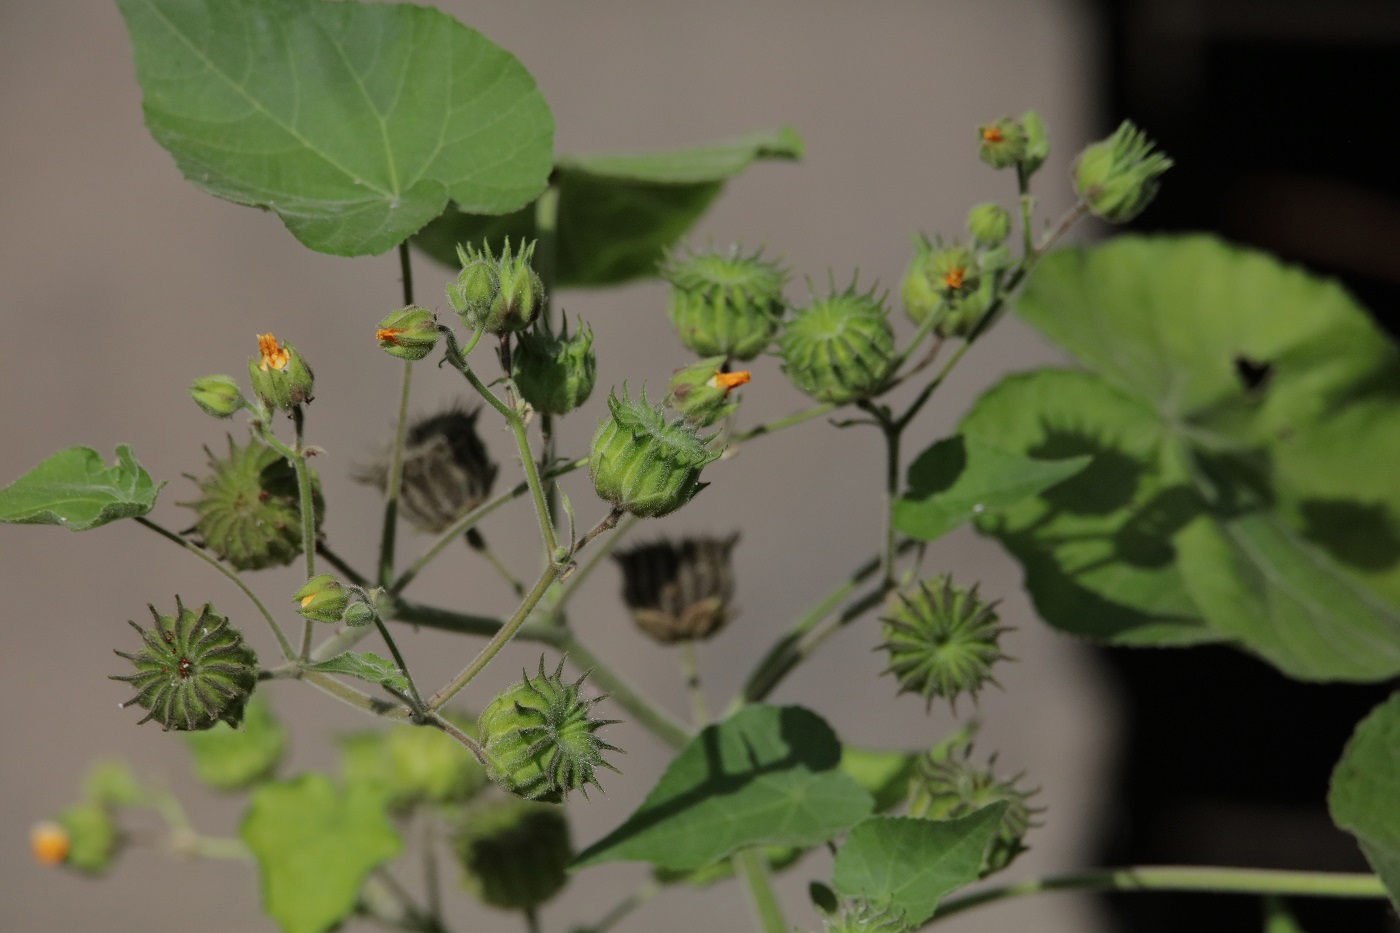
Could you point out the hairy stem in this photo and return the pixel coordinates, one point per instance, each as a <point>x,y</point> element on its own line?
<point>753,868</point>
<point>576,578</point>
<point>308,516</point>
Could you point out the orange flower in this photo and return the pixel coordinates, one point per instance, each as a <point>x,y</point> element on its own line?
<point>954,277</point>
<point>728,381</point>
<point>272,354</point>
<point>388,336</point>
<point>991,134</point>
<point>50,843</point>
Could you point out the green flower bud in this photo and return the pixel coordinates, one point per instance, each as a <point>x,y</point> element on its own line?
<point>539,739</point>
<point>447,470</point>
<point>249,507</point>
<point>917,292</point>
<point>323,598</point>
<point>965,311</point>
<point>840,348</point>
<point>476,287</point>
<point>1002,143</point>
<point>644,464</point>
<point>409,333</point>
<point>280,377</point>
<point>953,270</point>
<point>989,225</point>
<point>555,374</point>
<point>497,295</point>
<point>679,591</point>
<point>218,396</point>
<point>942,640</point>
<point>194,671</point>
<point>424,765</point>
<point>700,392</point>
<point>93,838</point>
<point>1117,177</point>
<point>725,305</point>
<point>513,853</point>
<point>231,759</point>
<point>949,786</point>
<point>1037,142</point>
<point>358,613</point>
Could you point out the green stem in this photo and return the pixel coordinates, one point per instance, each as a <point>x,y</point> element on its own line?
<point>1179,878</point>
<point>356,698</point>
<point>398,659</point>
<point>532,920</point>
<point>546,266</point>
<point>393,484</point>
<point>771,427</point>
<point>699,711</point>
<point>287,650</point>
<point>446,620</point>
<point>218,847</point>
<point>892,430</point>
<point>751,865</point>
<point>498,641</point>
<point>650,716</point>
<point>308,515</point>
<point>478,543</point>
<point>576,579</point>
<point>1023,195</point>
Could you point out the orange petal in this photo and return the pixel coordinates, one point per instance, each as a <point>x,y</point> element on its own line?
<point>49,842</point>
<point>727,381</point>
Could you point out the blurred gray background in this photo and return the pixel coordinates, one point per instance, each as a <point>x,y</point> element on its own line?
<point>120,282</point>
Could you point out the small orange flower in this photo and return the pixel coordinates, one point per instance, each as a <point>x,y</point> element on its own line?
<point>272,354</point>
<point>728,381</point>
<point>388,336</point>
<point>954,277</point>
<point>50,843</point>
<point>991,134</point>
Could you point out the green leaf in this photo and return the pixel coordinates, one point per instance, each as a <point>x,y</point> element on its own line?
<point>959,478</point>
<point>232,759</point>
<point>1244,419</point>
<point>354,122</point>
<point>883,773</point>
<point>1365,795</point>
<point>616,213</point>
<point>765,776</point>
<point>314,846</point>
<point>366,666</point>
<point>75,489</point>
<point>911,864</point>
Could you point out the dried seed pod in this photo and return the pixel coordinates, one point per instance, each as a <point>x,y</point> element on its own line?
<point>447,470</point>
<point>679,591</point>
<point>195,670</point>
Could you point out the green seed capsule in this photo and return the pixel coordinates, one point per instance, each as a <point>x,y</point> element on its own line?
<point>840,348</point>
<point>500,295</point>
<point>1117,177</point>
<point>725,304</point>
<point>942,640</point>
<point>514,853</point>
<point>556,374</point>
<point>644,463</point>
<point>949,786</point>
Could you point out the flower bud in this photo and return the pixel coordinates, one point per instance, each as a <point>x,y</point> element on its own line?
<point>194,671</point>
<point>84,837</point>
<point>280,377</point>
<point>540,740</point>
<point>497,295</point>
<point>965,311</point>
<point>447,470</point>
<point>840,348</point>
<point>424,765</point>
<point>989,225</point>
<point>942,640</point>
<point>476,287</point>
<point>700,392</point>
<point>218,396</point>
<point>49,843</point>
<point>555,374</point>
<point>409,333</point>
<point>949,786</point>
<point>1002,143</point>
<point>722,304</point>
<point>323,598</point>
<point>1117,177</point>
<point>916,292</point>
<point>679,591</point>
<point>249,507</point>
<point>358,613</point>
<point>644,464</point>
<point>1037,142</point>
<point>513,853</point>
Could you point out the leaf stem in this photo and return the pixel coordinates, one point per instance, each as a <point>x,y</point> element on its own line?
<point>575,579</point>
<point>398,659</point>
<point>751,866</point>
<point>287,650</point>
<point>308,515</point>
<point>699,712</point>
<point>1178,878</point>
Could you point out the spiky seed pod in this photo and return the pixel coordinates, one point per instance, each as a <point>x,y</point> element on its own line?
<point>513,853</point>
<point>556,374</point>
<point>500,295</point>
<point>540,740</point>
<point>1118,177</point>
<point>447,470</point>
<point>839,348</point>
<point>195,670</point>
<point>861,916</point>
<point>724,304</point>
<point>949,786</point>
<point>679,591</point>
<point>942,640</point>
<point>644,463</point>
<point>249,510</point>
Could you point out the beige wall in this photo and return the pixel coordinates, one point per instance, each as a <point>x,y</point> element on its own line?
<point>119,283</point>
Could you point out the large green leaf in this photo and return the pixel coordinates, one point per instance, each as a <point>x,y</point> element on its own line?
<point>616,213</point>
<point>226,758</point>
<point>314,846</point>
<point>1365,793</point>
<point>910,864</point>
<point>75,489</point>
<point>959,478</point>
<point>1245,423</point>
<point>765,776</point>
<point>355,122</point>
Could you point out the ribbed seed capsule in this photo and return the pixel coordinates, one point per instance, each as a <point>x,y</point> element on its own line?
<point>447,470</point>
<point>679,591</point>
<point>942,640</point>
<point>725,304</point>
<point>514,853</point>
<point>949,786</point>
<point>644,463</point>
<point>194,671</point>
<point>840,348</point>
<point>556,373</point>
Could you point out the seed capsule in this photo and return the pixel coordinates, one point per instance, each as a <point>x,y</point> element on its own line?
<point>949,786</point>
<point>942,640</point>
<point>447,470</point>
<point>1117,177</point>
<point>556,373</point>
<point>644,463</point>
<point>725,304</point>
<point>839,348</point>
<point>513,853</point>
<point>679,591</point>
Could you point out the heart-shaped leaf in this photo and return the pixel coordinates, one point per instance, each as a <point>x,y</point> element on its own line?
<point>354,122</point>
<point>75,489</point>
<point>1365,795</point>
